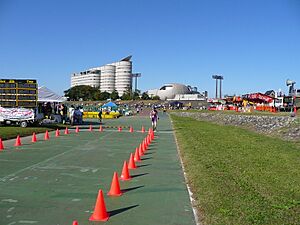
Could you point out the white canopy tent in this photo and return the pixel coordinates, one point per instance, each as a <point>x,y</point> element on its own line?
<point>46,95</point>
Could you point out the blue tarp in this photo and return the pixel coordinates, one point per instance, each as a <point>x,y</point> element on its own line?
<point>110,104</point>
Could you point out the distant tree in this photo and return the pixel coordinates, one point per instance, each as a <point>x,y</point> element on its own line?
<point>96,95</point>
<point>155,97</point>
<point>84,92</point>
<point>114,95</point>
<point>104,95</point>
<point>145,96</point>
<point>136,95</point>
<point>126,96</point>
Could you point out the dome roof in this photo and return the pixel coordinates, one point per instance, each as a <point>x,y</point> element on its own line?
<point>168,91</point>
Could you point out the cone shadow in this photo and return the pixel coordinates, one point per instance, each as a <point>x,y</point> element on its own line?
<point>139,175</point>
<point>131,189</point>
<point>144,165</point>
<point>121,210</point>
<point>147,158</point>
<point>149,153</point>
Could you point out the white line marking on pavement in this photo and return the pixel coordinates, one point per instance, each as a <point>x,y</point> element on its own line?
<point>37,164</point>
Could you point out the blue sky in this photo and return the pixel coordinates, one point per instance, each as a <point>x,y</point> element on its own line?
<point>254,44</point>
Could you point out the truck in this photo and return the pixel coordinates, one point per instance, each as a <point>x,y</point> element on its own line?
<point>18,101</point>
<point>287,103</point>
<point>17,116</point>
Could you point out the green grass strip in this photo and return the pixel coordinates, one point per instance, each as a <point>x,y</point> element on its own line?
<point>10,132</point>
<point>238,176</point>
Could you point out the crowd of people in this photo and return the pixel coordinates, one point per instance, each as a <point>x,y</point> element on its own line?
<point>62,113</point>
<point>59,112</point>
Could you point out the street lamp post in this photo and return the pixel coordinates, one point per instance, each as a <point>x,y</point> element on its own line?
<point>136,75</point>
<point>221,78</point>
<point>218,77</point>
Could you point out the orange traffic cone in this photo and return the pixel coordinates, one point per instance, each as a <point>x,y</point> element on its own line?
<point>77,129</point>
<point>137,157</point>
<point>100,213</point>
<point>141,152</point>
<point>75,222</point>
<point>131,164</point>
<point>1,145</point>
<point>66,131</point>
<point>143,129</point>
<point>125,172</point>
<point>91,128</point>
<point>18,141</point>
<point>115,186</point>
<point>34,139</point>
<point>120,129</point>
<point>148,141</point>
<point>130,129</point>
<point>57,133</point>
<point>145,146</point>
<point>46,137</point>
<point>100,128</point>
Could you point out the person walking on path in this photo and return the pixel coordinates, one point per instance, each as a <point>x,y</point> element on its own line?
<point>154,118</point>
<point>100,115</point>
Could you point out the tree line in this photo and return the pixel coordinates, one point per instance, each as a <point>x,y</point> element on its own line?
<point>88,93</point>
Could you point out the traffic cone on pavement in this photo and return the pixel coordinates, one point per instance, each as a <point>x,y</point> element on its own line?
<point>141,152</point>
<point>100,213</point>
<point>130,129</point>
<point>91,128</point>
<point>77,129</point>
<point>18,141</point>
<point>143,129</point>
<point>125,172</point>
<point>1,145</point>
<point>34,139</point>
<point>115,186</point>
<point>57,133</point>
<point>145,146</point>
<point>152,135</point>
<point>100,128</point>
<point>148,140</point>
<point>131,164</point>
<point>75,222</point>
<point>66,131</point>
<point>46,137</point>
<point>137,157</point>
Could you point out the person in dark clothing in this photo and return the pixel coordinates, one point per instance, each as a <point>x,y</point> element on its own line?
<point>100,115</point>
<point>154,118</point>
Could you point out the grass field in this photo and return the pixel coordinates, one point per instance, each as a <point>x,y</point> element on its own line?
<point>240,177</point>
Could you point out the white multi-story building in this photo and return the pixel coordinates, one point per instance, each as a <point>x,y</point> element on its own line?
<point>114,76</point>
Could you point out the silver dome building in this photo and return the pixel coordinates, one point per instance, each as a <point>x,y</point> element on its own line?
<point>168,91</point>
